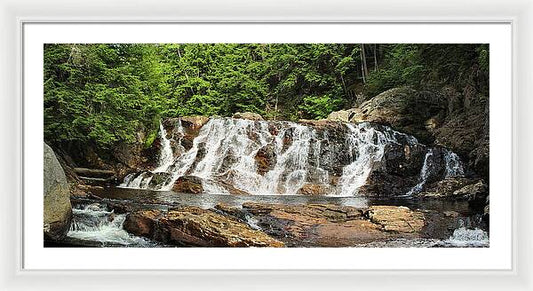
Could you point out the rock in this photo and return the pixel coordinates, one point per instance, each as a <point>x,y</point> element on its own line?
<point>265,158</point>
<point>475,194</point>
<point>396,219</point>
<point>402,108</point>
<point>193,226</point>
<point>194,122</point>
<point>341,115</point>
<point>323,225</point>
<point>182,138</point>
<point>456,188</point>
<point>233,211</point>
<point>142,223</point>
<point>313,189</point>
<point>466,132</point>
<point>188,184</point>
<point>248,115</point>
<point>321,124</point>
<point>57,213</point>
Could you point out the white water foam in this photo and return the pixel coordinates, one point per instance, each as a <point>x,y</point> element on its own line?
<point>95,223</point>
<point>224,155</point>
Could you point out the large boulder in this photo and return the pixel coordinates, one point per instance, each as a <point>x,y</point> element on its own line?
<point>404,109</point>
<point>57,207</point>
<point>193,226</point>
<point>342,115</point>
<point>188,184</point>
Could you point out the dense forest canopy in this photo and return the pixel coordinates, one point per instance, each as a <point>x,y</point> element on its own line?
<point>103,94</point>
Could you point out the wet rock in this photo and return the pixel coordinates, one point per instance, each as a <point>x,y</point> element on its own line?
<point>466,132</point>
<point>486,210</point>
<point>233,211</point>
<point>190,125</point>
<point>159,178</point>
<point>228,186</point>
<point>248,115</point>
<point>475,194</point>
<point>57,213</point>
<point>318,224</point>
<point>193,226</point>
<point>188,184</point>
<point>142,223</point>
<point>265,159</point>
<point>396,219</point>
<point>314,189</point>
<point>456,188</point>
<point>321,124</point>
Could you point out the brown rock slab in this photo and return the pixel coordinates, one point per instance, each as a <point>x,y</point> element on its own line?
<point>398,219</point>
<point>193,226</point>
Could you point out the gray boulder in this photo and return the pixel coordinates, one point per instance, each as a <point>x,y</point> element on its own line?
<point>57,208</point>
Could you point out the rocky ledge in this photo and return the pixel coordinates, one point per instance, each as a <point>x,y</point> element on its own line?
<point>193,226</point>
<point>328,225</point>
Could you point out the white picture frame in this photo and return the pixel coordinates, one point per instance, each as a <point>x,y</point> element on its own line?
<point>15,277</point>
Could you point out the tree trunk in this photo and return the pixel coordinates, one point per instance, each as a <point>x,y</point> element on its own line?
<point>375,57</point>
<point>186,76</point>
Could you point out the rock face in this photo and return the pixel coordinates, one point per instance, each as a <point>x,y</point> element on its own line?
<point>330,225</point>
<point>193,226</point>
<point>248,115</point>
<point>466,132</point>
<point>57,207</point>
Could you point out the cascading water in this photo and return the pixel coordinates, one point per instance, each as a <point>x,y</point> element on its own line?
<point>166,158</point>
<point>454,166</point>
<point>94,222</point>
<point>226,152</point>
<point>366,146</point>
<point>452,163</point>
<point>424,174</point>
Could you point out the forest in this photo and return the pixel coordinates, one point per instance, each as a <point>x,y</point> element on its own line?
<point>102,94</point>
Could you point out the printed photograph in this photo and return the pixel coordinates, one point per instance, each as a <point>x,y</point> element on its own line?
<point>300,145</point>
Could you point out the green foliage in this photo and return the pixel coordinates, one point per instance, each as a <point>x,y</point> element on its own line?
<point>427,66</point>
<point>318,107</point>
<point>103,94</point>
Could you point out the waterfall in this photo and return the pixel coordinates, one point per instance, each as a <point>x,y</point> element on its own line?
<point>94,222</point>
<point>454,166</point>
<point>424,174</point>
<point>466,237</point>
<point>166,158</point>
<point>227,152</point>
